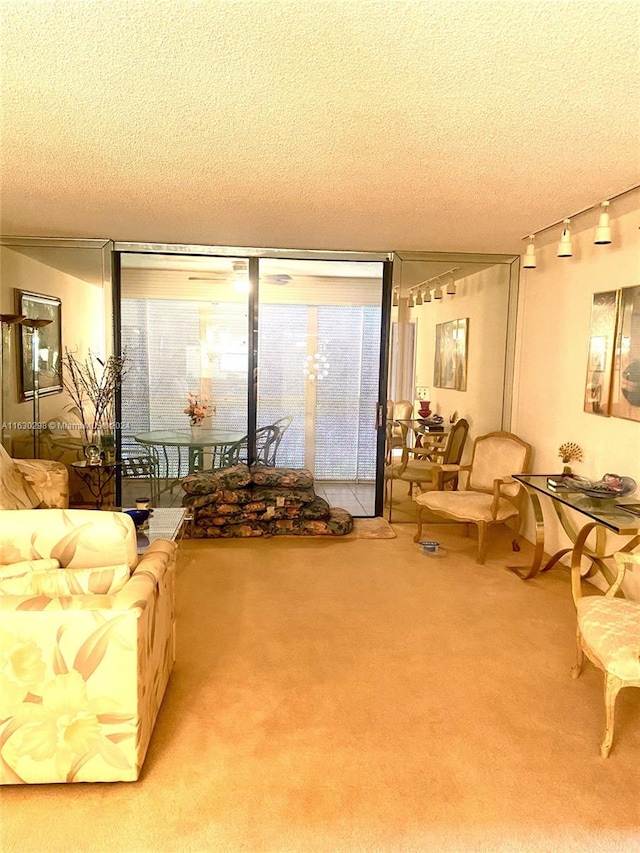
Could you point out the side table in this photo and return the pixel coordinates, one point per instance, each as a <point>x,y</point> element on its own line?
<point>163,523</point>
<point>97,478</point>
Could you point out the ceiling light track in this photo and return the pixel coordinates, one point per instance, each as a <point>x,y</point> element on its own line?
<point>603,204</point>
<point>423,290</point>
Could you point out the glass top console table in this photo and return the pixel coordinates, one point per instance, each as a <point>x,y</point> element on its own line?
<point>600,514</point>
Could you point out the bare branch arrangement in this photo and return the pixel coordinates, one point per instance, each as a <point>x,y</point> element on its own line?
<point>92,385</point>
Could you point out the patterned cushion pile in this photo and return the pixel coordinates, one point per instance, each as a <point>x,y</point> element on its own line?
<point>239,502</point>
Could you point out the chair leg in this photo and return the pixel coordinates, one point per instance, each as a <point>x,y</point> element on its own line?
<point>577,668</point>
<point>416,538</point>
<point>482,542</point>
<point>612,685</point>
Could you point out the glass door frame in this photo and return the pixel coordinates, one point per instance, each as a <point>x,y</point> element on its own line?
<point>253,255</point>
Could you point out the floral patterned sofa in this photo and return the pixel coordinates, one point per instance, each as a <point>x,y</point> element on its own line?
<point>86,645</point>
<point>32,483</point>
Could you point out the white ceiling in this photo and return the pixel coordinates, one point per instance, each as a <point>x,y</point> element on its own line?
<point>364,125</point>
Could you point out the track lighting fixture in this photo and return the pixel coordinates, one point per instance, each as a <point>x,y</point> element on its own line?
<point>427,295</point>
<point>411,302</point>
<point>603,231</point>
<point>451,287</point>
<point>602,235</point>
<point>564,246</point>
<point>529,261</point>
<point>437,293</point>
<point>395,299</point>
<point>419,297</point>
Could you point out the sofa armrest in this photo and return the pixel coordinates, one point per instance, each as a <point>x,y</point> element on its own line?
<point>48,479</point>
<point>152,570</point>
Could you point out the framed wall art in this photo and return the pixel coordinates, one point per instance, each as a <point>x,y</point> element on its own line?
<point>450,364</point>
<point>625,398</point>
<point>602,339</point>
<point>47,368</point>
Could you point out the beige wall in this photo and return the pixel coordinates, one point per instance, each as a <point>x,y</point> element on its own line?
<point>483,298</point>
<point>83,322</point>
<point>551,359</point>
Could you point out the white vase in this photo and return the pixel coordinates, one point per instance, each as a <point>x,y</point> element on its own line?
<point>196,429</point>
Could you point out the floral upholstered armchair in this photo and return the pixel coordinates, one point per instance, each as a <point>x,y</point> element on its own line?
<point>32,483</point>
<point>86,645</point>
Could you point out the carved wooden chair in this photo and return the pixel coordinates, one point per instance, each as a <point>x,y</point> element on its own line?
<point>490,496</point>
<point>608,633</point>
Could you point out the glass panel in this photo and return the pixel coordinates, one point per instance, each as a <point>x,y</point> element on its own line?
<point>318,366</point>
<point>184,333</point>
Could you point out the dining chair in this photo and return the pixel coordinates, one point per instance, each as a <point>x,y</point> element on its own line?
<point>266,438</point>
<point>397,432</point>
<point>490,495</point>
<point>421,464</point>
<point>608,633</point>
<point>282,425</point>
<point>141,462</point>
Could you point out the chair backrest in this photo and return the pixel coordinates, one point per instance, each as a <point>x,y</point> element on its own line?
<point>497,455</point>
<point>402,410</point>
<point>266,447</point>
<point>456,442</point>
<point>266,438</point>
<point>281,426</point>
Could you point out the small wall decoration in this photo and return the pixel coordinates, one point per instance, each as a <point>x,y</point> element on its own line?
<point>602,337</point>
<point>450,367</point>
<point>625,399</point>
<point>36,306</point>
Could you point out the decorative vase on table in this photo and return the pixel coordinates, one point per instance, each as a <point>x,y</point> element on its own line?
<point>196,428</point>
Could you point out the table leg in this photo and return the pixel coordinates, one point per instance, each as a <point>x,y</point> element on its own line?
<point>527,572</point>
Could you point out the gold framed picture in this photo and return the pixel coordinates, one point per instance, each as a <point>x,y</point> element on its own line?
<point>625,397</point>
<point>450,365</point>
<point>48,363</point>
<point>600,358</point>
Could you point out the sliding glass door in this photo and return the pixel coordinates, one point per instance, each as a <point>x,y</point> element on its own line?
<point>318,369</point>
<point>315,331</point>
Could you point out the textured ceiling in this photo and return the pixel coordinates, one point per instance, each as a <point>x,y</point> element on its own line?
<point>364,125</point>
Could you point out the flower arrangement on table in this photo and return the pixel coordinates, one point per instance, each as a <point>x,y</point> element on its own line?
<point>197,409</point>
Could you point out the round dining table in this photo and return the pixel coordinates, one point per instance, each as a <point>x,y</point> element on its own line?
<point>208,448</point>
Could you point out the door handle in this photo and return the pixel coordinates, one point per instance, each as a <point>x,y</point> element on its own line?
<point>379,420</point>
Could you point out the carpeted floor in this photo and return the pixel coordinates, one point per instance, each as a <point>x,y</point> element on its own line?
<point>359,696</point>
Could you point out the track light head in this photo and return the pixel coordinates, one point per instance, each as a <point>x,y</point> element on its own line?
<point>437,293</point>
<point>411,302</point>
<point>419,297</point>
<point>529,260</point>
<point>395,299</point>
<point>564,246</point>
<point>451,287</point>
<point>603,231</point>
<point>427,295</point>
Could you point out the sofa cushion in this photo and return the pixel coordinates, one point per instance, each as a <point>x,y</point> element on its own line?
<point>23,567</point>
<point>103,580</point>
<point>15,491</point>
<point>203,483</point>
<point>77,538</point>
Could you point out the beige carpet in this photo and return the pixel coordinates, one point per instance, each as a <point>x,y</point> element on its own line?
<point>371,528</point>
<point>359,696</point>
